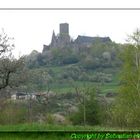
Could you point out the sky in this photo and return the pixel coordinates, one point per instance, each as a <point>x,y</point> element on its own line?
<point>70,3</point>
<point>33,28</point>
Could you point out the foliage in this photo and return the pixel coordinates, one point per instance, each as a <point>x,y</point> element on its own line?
<point>90,62</point>
<point>63,56</point>
<point>32,59</point>
<point>71,72</point>
<point>6,45</point>
<point>91,107</point>
<point>10,68</point>
<point>99,54</point>
<point>37,79</point>
<point>102,77</point>
<point>126,111</point>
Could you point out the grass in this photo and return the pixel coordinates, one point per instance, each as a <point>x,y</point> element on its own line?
<point>109,87</point>
<point>49,127</point>
<point>66,87</point>
<point>58,69</point>
<point>37,127</point>
<point>47,132</point>
<point>33,136</point>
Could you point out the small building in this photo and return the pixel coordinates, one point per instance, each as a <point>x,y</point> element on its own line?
<point>23,96</point>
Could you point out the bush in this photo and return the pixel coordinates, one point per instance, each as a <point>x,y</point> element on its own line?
<point>13,114</point>
<point>84,77</point>
<point>49,118</point>
<point>126,114</point>
<point>71,72</point>
<point>102,77</point>
<point>70,59</point>
<point>92,111</point>
<point>90,62</point>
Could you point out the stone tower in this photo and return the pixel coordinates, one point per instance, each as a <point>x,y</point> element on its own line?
<point>60,40</point>
<point>64,29</point>
<point>64,37</point>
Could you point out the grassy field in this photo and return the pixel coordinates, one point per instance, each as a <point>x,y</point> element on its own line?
<point>47,132</point>
<point>49,127</point>
<point>66,87</point>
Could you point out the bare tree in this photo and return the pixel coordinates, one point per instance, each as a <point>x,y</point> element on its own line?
<point>82,94</point>
<point>6,44</point>
<point>9,66</point>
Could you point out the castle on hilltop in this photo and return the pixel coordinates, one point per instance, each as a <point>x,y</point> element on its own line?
<point>63,39</point>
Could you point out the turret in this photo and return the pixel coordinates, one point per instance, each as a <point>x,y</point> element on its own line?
<point>54,40</point>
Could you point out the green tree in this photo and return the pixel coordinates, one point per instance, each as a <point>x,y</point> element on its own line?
<point>126,111</point>
<point>89,112</point>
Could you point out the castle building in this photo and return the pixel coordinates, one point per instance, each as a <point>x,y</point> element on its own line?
<point>63,39</point>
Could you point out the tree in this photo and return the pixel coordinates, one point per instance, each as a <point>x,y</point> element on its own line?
<point>6,44</point>
<point>8,70</point>
<point>9,66</point>
<point>126,111</point>
<point>89,108</point>
<point>33,60</point>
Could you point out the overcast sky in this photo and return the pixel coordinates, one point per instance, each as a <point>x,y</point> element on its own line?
<point>33,28</point>
<point>70,3</point>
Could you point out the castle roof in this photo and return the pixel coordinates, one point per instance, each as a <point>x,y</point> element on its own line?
<point>87,39</point>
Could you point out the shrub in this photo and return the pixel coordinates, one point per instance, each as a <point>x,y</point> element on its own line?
<point>84,77</point>
<point>70,59</point>
<point>102,77</point>
<point>92,110</point>
<point>13,114</point>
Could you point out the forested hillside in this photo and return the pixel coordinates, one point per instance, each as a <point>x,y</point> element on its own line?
<point>98,63</point>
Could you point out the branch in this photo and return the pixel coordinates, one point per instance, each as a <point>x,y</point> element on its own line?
<point>5,80</point>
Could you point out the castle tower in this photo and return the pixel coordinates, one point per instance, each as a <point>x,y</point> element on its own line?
<point>64,37</point>
<point>64,29</point>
